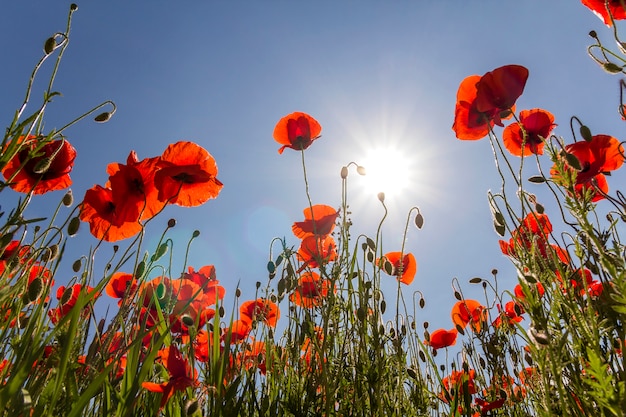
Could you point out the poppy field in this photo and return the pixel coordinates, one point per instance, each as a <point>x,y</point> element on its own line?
<point>323,335</point>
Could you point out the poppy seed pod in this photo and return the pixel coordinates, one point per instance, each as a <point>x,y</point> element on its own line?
<point>344,172</point>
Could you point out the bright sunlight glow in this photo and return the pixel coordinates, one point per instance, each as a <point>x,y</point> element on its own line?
<point>388,170</point>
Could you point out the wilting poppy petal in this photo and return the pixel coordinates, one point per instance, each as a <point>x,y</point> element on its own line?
<point>296,131</point>
<point>187,175</point>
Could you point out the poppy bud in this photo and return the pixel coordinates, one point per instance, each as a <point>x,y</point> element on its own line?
<point>191,407</point>
<point>381,197</point>
<point>76,265</point>
<point>103,117</point>
<point>72,228</point>
<point>196,233</point>
<point>171,223</point>
<point>187,320</point>
<point>49,46</point>
<point>419,220</point>
<point>593,34</point>
<point>42,166</point>
<point>73,7</point>
<point>611,68</point>
<point>68,198</point>
<point>361,170</point>
<point>585,132</point>
<point>35,288</point>
<point>494,272</point>
<point>539,337</point>
<point>344,173</point>
<point>238,292</point>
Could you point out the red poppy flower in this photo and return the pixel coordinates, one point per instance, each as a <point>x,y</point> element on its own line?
<point>188,305</point>
<point>442,338</point>
<point>68,297</point>
<point>456,382</point>
<point>310,291</point>
<point>532,235</point>
<point>238,331</point>
<point>201,277</point>
<point>316,250</point>
<point>253,355</point>
<point>105,220</point>
<point>319,220</point>
<point>578,280</point>
<point>181,375</point>
<point>528,135</point>
<point>519,291</point>
<point>187,175</point>
<point>511,314</point>
<point>469,312</point>
<point>601,154</point>
<point>499,89</point>
<point>405,270</point>
<point>296,131</point>
<point>604,9</point>
<point>260,309</point>
<point>133,189</point>
<point>483,102</point>
<point>120,285</point>
<point>487,406</point>
<point>48,171</point>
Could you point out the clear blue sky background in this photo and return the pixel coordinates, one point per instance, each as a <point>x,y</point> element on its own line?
<point>222,73</point>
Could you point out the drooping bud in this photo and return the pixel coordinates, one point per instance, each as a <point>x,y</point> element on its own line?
<point>381,197</point>
<point>585,132</point>
<point>361,170</point>
<point>419,220</point>
<point>103,117</point>
<point>49,45</point>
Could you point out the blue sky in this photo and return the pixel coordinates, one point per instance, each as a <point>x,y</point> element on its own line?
<point>374,74</point>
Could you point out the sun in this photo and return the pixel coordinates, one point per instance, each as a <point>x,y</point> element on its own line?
<point>388,170</point>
